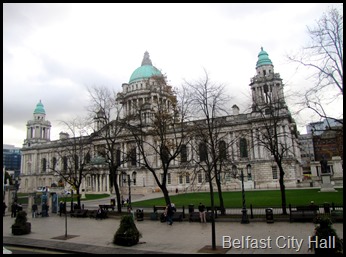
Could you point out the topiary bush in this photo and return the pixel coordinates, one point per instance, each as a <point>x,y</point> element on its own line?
<point>127,233</point>
<point>323,234</point>
<point>21,225</point>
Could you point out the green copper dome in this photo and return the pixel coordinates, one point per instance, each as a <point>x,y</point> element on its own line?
<point>146,70</point>
<point>263,59</point>
<point>39,109</point>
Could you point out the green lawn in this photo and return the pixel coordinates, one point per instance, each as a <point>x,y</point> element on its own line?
<point>260,198</point>
<point>263,198</point>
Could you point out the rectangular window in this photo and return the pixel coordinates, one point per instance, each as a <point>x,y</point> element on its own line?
<point>199,177</point>
<point>133,157</point>
<point>169,181</point>
<point>187,178</point>
<point>206,176</point>
<point>180,179</point>
<point>227,176</point>
<point>275,172</point>
<point>183,153</point>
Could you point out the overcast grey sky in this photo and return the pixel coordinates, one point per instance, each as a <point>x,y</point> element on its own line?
<point>52,52</point>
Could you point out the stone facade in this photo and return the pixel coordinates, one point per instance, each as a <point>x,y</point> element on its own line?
<point>257,164</point>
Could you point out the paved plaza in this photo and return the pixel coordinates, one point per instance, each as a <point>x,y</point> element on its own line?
<point>87,235</point>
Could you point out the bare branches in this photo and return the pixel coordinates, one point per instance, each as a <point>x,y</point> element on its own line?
<point>324,55</point>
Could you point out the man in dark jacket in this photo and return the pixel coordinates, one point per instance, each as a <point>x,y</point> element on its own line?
<point>169,214</point>
<point>202,214</point>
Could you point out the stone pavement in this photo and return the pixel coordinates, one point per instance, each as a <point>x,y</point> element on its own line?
<point>87,235</point>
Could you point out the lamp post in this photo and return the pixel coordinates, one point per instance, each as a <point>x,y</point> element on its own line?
<point>16,187</point>
<point>129,184</point>
<point>126,178</point>
<point>244,217</point>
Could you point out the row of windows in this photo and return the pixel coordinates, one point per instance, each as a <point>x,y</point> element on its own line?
<point>203,155</point>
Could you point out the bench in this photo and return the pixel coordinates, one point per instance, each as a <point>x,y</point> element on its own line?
<point>157,208</point>
<point>80,213</point>
<point>216,210</point>
<point>337,215</point>
<point>177,216</point>
<point>194,216</point>
<point>304,213</point>
<point>105,207</point>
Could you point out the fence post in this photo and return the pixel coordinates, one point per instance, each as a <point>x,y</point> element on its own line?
<point>251,212</point>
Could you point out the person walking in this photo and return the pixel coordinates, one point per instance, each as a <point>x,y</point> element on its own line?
<point>169,214</point>
<point>202,214</point>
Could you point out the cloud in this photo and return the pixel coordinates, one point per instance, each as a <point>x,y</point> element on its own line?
<point>52,52</point>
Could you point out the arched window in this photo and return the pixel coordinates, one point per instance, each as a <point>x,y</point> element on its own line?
<point>87,158</point>
<point>203,152</point>
<point>134,176</point>
<point>65,164</point>
<point>76,162</point>
<point>222,150</point>
<point>118,157</point>
<point>234,171</point>
<point>44,165</point>
<point>183,153</point>
<point>248,170</point>
<point>243,148</point>
<point>54,162</point>
<point>165,154</point>
<point>133,156</point>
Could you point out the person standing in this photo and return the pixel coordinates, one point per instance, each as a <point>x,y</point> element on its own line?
<point>202,214</point>
<point>169,214</point>
<point>61,207</point>
<point>4,206</point>
<point>34,210</point>
<point>14,210</point>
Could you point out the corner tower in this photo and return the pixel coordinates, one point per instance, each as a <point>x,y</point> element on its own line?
<point>266,86</point>
<point>38,129</point>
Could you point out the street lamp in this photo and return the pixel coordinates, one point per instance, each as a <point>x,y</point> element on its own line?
<point>16,187</point>
<point>129,185</point>
<point>244,217</point>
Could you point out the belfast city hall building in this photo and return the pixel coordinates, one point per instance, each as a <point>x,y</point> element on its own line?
<point>242,133</point>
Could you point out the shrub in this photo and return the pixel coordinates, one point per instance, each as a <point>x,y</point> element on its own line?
<point>21,225</point>
<point>127,233</point>
<point>324,232</point>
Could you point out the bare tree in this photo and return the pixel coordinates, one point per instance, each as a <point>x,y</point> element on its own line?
<point>277,133</point>
<point>324,55</point>
<point>158,130</point>
<point>72,152</point>
<point>107,128</point>
<point>208,103</point>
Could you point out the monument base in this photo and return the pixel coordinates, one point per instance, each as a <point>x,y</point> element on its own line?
<point>326,184</point>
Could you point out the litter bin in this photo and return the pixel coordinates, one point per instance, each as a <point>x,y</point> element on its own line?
<point>139,215</point>
<point>113,202</point>
<point>191,208</point>
<point>326,207</point>
<point>269,215</point>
